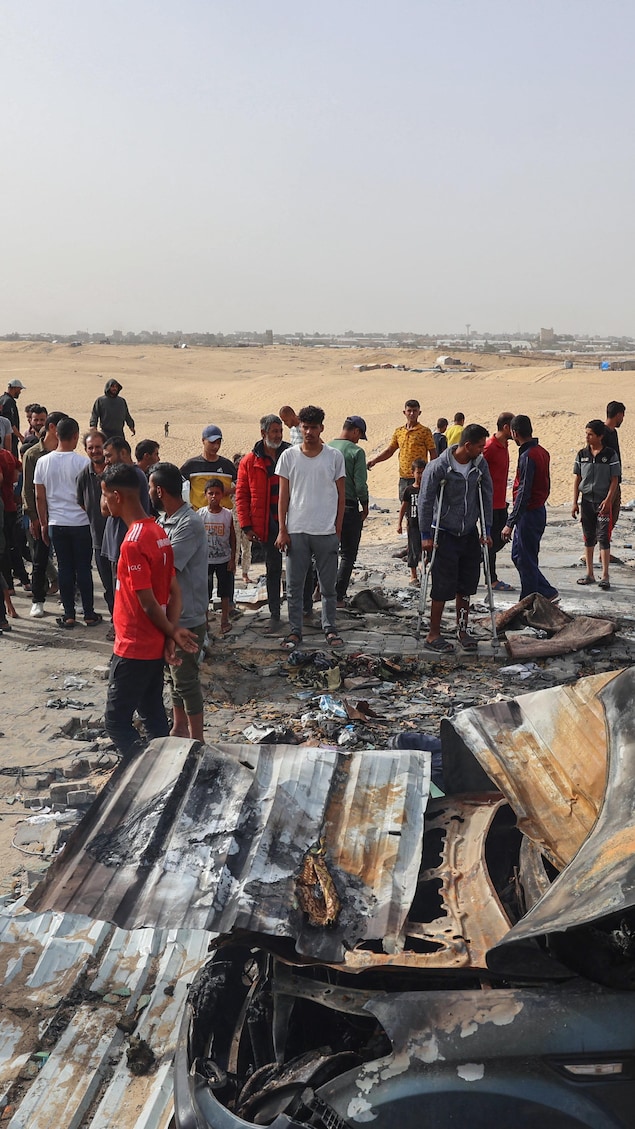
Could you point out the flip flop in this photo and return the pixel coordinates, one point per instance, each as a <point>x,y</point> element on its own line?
<point>225,628</point>
<point>585,580</point>
<point>468,642</point>
<point>94,620</point>
<point>439,646</point>
<point>501,586</point>
<point>66,623</point>
<point>605,584</point>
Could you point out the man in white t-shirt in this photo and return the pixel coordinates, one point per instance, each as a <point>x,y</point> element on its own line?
<point>310,514</point>
<point>65,523</point>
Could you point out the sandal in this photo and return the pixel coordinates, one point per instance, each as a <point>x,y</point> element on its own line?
<point>439,646</point>
<point>605,584</point>
<point>333,639</point>
<point>586,580</point>
<point>225,628</point>
<point>501,586</point>
<point>93,620</point>
<point>466,641</point>
<point>67,623</point>
<point>290,642</point>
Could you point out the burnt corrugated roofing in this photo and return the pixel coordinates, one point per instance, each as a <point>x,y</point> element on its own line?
<point>219,837</point>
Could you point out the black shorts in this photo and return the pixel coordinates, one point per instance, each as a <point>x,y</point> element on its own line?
<point>224,580</point>
<point>457,565</point>
<point>595,529</point>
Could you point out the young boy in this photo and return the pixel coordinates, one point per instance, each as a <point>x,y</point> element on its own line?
<point>439,436</point>
<point>221,542</point>
<point>410,510</point>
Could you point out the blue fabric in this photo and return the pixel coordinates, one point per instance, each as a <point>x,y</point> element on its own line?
<point>427,744</point>
<point>525,550</point>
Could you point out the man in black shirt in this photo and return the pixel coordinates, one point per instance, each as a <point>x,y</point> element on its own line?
<point>208,465</point>
<point>9,409</point>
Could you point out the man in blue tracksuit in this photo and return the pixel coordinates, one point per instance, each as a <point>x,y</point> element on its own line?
<point>457,563</point>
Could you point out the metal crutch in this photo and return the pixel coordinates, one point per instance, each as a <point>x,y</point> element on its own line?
<point>486,568</point>
<point>427,568</point>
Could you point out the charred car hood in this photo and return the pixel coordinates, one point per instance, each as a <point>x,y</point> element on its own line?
<point>565,760</point>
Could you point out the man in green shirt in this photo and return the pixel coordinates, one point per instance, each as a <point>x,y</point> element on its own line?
<point>356,509</point>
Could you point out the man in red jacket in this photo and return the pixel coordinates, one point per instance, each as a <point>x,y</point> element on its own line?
<point>527,521</point>
<point>257,503</point>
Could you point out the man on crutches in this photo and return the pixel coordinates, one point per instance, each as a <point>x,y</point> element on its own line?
<point>452,489</point>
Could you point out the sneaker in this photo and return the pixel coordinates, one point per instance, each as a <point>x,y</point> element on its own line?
<point>37,611</point>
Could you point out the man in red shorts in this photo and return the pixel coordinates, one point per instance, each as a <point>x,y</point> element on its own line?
<point>146,615</point>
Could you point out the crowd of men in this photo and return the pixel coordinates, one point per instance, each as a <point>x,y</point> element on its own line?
<point>161,536</point>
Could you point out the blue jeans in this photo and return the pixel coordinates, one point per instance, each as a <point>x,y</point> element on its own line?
<point>73,546</point>
<point>525,549</point>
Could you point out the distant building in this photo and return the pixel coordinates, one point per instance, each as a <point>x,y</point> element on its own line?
<point>547,337</point>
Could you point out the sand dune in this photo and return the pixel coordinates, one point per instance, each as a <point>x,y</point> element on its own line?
<point>234,387</point>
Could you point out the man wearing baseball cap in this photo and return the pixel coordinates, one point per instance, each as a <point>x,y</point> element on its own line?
<point>209,465</point>
<point>9,409</point>
<point>356,509</point>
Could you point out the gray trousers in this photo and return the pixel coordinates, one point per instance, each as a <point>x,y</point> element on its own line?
<point>324,548</point>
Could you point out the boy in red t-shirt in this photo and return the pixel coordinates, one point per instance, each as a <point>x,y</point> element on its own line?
<point>146,615</point>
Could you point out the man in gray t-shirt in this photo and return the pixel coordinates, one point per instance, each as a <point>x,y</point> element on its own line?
<point>189,544</point>
<point>310,513</point>
<point>596,476</point>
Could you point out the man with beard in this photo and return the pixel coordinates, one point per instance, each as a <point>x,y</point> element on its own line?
<point>188,539</point>
<point>9,409</point>
<point>89,498</point>
<point>257,492</point>
<point>209,464</point>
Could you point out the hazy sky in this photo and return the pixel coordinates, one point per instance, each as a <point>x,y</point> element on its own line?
<point>348,164</point>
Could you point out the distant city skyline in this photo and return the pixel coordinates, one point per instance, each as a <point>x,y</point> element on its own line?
<point>349,164</point>
<point>542,339</point>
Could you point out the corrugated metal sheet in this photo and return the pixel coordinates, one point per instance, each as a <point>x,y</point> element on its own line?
<point>218,838</point>
<point>56,968</point>
<point>547,753</point>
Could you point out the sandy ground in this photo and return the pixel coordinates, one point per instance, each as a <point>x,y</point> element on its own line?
<point>234,387</point>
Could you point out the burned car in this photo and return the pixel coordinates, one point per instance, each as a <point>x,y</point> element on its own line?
<point>378,955</point>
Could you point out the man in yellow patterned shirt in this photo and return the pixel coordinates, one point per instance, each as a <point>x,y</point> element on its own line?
<point>414,441</point>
